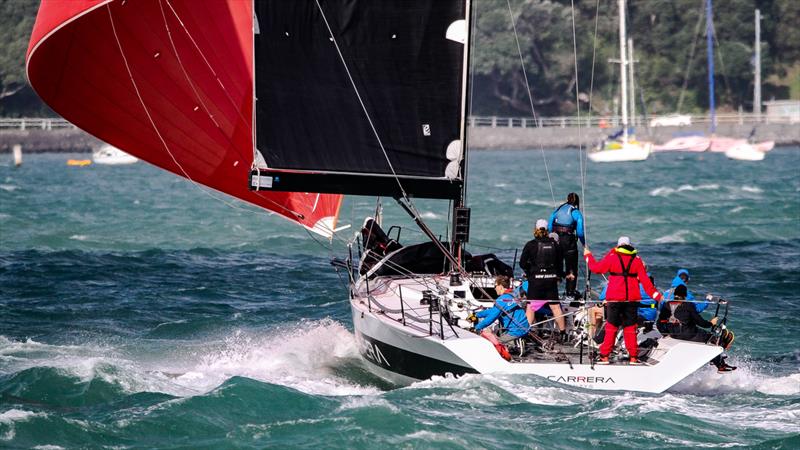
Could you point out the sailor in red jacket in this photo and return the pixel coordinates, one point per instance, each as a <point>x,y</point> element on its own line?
<point>626,272</point>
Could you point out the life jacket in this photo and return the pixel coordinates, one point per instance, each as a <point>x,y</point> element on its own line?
<point>563,221</point>
<point>668,323</point>
<point>544,267</point>
<point>626,270</point>
<point>672,306</point>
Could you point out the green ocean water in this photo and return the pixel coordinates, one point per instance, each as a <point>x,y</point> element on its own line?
<point>138,311</point>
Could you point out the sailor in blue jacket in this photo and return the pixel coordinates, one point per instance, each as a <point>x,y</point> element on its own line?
<point>511,314</point>
<point>682,278</point>
<point>567,221</point>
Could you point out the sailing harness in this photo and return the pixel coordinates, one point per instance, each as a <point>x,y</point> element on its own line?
<point>561,228</point>
<point>626,271</point>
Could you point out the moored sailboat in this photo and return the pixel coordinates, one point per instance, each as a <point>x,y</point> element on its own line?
<point>733,148</point>
<point>623,146</point>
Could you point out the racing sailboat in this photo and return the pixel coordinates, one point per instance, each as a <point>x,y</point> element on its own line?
<point>290,105</point>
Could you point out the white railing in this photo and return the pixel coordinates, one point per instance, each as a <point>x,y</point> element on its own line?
<point>39,123</point>
<point>35,123</point>
<point>614,121</point>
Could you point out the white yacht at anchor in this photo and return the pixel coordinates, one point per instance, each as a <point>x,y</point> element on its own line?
<point>109,155</point>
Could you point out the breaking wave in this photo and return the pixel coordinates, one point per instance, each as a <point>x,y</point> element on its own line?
<point>522,201</point>
<point>312,357</point>
<point>665,191</point>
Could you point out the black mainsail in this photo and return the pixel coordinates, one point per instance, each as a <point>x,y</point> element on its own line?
<point>360,97</point>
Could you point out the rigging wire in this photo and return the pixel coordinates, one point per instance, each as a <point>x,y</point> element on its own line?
<point>163,140</point>
<point>233,103</point>
<point>578,107</point>
<point>361,102</point>
<point>530,98</point>
<point>690,60</point>
<point>155,127</point>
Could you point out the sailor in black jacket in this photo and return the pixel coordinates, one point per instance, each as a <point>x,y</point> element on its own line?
<point>543,264</point>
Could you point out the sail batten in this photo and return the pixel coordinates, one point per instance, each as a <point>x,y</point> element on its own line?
<point>378,96</point>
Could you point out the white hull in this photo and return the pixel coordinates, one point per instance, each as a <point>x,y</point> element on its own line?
<point>631,151</point>
<point>419,350</point>
<point>684,144</point>
<point>110,155</point>
<point>745,152</point>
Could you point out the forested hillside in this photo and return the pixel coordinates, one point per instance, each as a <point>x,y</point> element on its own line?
<point>668,35</point>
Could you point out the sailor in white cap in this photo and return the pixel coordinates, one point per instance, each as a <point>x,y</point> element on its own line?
<point>542,262</point>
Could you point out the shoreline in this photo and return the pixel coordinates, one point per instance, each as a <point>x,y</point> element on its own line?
<point>480,138</point>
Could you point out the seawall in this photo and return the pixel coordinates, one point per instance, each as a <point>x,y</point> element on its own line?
<point>572,137</point>
<point>74,140</point>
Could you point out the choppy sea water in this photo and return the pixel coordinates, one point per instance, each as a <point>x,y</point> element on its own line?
<point>138,312</point>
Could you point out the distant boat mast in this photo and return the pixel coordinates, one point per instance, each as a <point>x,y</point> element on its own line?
<point>710,57</point>
<point>623,67</point>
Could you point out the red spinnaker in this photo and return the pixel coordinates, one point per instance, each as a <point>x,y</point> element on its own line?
<point>169,81</point>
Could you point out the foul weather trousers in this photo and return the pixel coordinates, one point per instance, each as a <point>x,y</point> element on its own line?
<point>621,315</point>
<point>569,249</point>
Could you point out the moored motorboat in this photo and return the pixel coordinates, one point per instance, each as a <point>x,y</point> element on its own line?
<point>112,156</point>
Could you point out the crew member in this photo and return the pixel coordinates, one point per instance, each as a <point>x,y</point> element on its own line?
<point>680,320</point>
<point>682,278</point>
<point>626,271</point>
<point>542,262</point>
<point>513,322</point>
<point>648,308</point>
<point>567,221</point>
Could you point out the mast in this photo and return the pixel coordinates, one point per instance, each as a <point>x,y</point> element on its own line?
<point>633,82</point>
<point>710,57</point>
<point>460,213</point>
<point>623,62</point>
<point>757,82</point>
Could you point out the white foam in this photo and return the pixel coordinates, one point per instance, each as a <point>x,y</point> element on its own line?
<point>522,201</point>
<point>752,189</point>
<point>18,415</point>
<point>678,237</point>
<point>665,191</point>
<point>79,237</point>
<point>430,215</point>
<point>8,187</point>
<point>737,209</point>
<point>744,379</point>
<point>491,390</point>
<point>302,357</point>
<point>12,416</point>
